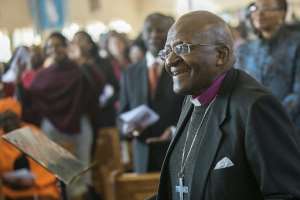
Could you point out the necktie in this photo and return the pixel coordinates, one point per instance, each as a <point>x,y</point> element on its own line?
<point>153,78</point>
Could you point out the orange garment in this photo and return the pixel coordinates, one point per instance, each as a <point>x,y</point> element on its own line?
<point>45,182</point>
<point>10,103</point>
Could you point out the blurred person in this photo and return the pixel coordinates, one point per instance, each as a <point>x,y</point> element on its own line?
<point>61,95</point>
<point>23,82</point>
<point>89,57</point>
<point>240,35</point>
<point>146,82</point>
<point>117,47</point>
<point>36,60</point>
<point>36,182</point>
<point>137,50</point>
<point>102,44</point>
<point>274,57</point>
<point>19,61</point>
<point>87,51</point>
<point>84,51</point>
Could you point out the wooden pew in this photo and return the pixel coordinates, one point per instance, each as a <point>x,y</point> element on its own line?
<point>107,154</point>
<point>110,178</point>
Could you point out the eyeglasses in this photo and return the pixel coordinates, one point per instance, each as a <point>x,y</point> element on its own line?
<point>179,49</point>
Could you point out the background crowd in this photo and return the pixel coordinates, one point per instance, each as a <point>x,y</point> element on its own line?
<point>71,89</point>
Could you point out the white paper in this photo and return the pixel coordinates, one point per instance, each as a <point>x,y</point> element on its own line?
<point>22,58</point>
<point>107,93</point>
<point>141,117</point>
<point>20,173</point>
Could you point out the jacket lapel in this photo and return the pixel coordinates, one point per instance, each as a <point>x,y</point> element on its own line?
<point>163,185</point>
<point>186,111</point>
<point>207,150</point>
<point>212,138</point>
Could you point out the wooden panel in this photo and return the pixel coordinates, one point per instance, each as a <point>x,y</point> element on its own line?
<point>109,177</point>
<point>107,155</point>
<point>136,186</point>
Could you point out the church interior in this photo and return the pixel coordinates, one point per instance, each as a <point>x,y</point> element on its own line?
<point>83,108</point>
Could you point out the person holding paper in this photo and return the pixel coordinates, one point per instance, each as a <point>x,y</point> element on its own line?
<point>233,141</point>
<point>147,83</point>
<point>21,177</point>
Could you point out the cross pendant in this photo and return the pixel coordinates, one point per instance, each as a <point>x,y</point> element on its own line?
<point>181,189</point>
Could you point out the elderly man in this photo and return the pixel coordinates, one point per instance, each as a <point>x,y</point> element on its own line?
<point>234,140</point>
<point>147,83</point>
<point>273,58</point>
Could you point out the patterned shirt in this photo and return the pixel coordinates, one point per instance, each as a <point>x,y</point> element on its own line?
<point>276,64</point>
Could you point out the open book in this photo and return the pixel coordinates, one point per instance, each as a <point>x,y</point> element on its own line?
<point>47,153</point>
<point>139,117</point>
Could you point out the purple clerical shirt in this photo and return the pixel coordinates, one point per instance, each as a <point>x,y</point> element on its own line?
<point>210,93</point>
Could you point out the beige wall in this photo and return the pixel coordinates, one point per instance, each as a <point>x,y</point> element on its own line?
<point>14,13</point>
<point>109,10</point>
<point>132,11</point>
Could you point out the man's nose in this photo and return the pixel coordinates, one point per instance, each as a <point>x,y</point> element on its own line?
<point>172,59</point>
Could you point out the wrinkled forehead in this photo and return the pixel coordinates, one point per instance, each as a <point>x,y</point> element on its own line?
<point>181,32</point>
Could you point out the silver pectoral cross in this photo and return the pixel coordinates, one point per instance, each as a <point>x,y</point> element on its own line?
<point>181,189</point>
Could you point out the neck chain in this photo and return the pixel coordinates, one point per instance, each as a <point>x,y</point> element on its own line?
<point>183,158</point>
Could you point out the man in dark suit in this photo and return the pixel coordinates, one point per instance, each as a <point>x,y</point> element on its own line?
<point>148,83</point>
<point>234,140</point>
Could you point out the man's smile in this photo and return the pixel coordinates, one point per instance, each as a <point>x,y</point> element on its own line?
<point>178,71</point>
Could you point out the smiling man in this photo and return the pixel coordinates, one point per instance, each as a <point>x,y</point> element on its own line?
<point>233,141</point>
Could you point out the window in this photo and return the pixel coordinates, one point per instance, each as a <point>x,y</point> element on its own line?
<point>5,47</point>
<point>26,36</point>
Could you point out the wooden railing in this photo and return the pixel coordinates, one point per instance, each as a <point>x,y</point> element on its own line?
<point>109,176</point>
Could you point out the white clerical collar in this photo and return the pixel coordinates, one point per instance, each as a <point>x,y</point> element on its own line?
<point>150,59</point>
<point>195,101</point>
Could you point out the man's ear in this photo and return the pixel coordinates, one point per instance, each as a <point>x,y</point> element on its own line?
<point>222,55</point>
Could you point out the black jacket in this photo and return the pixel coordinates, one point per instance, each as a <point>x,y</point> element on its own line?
<point>250,127</point>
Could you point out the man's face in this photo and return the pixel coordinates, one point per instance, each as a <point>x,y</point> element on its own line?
<point>194,72</point>
<point>267,16</point>
<point>155,33</point>
<point>56,50</point>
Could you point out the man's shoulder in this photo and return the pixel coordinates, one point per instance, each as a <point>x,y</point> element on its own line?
<point>247,90</point>
<point>246,83</point>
